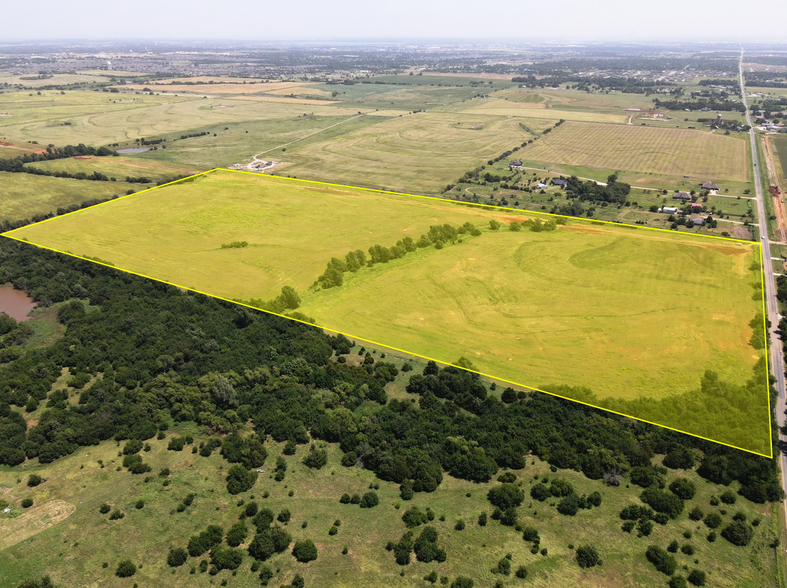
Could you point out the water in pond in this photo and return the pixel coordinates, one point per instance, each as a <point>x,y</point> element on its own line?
<point>15,303</point>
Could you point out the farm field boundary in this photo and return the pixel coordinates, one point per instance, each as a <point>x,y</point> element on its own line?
<point>205,241</point>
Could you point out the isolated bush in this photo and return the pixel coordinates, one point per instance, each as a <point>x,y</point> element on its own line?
<point>34,480</point>
<point>506,496</point>
<point>104,508</point>
<point>587,556</point>
<point>27,502</point>
<point>369,500</point>
<point>305,551</point>
<point>568,505</point>
<point>126,569</point>
<point>540,492</point>
<point>738,533</point>
<point>414,517</point>
<point>696,514</point>
<point>464,581</point>
<point>728,497</point>
<point>697,577</point>
<point>713,520</point>
<point>177,557</point>
<point>316,458</point>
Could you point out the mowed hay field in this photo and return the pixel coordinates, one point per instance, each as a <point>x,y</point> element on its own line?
<point>671,152</point>
<point>415,153</point>
<point>629,313</point>
<point>510,108</point>
<point>64,535</point>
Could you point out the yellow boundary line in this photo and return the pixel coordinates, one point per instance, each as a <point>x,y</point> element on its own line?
<point>8,234</point>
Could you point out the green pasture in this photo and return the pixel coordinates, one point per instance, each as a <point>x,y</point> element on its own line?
<point>114,167</point>
<point>781,151</point>
<point>26,195</point>
<point>628,313</point>
<point>239,142</point>
<point>64,535</point>
<point>99,118</point>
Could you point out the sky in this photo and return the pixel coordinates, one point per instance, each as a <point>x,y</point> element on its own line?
<point>448,20</point>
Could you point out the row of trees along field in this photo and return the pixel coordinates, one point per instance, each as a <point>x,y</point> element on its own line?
<point>157,356</point>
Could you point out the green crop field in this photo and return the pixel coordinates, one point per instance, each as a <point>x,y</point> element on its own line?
<point>672,152</point>
<point>26,195</point>
<point>630,314</point>
<point>65,536</point>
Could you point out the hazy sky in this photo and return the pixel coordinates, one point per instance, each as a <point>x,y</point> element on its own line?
<point>265,20</point>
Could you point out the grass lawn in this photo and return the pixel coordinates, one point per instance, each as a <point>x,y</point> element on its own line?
<point>629,313</point>
<point>64,535</point>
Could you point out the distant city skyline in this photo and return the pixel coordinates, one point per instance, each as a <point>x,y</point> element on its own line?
<point>407,20</point>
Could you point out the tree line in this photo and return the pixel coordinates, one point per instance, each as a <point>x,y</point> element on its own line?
<point>157,356</point>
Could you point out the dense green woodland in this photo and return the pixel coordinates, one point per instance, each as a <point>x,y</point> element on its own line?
<point>156,355</point>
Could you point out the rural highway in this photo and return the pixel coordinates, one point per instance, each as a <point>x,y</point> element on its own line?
<point>776,357</point>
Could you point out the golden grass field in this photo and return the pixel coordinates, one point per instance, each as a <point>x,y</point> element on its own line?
<point>672,152</point>
<point>628,313</point>
<point>420,152</point>
<point>500,107</point>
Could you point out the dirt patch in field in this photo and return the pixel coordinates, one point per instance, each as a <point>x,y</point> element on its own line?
<point>32,522</point>
<point>23,147</point>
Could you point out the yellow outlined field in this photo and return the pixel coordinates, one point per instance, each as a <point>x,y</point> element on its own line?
<point>203,216</point>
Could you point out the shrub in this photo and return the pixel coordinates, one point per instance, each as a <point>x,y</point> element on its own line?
<point>696,514</point>
<point>587,556</point>
<point>713,520</point>
<point>414,517</point>
<point>176,444</point>
<point>355,499</point>
<point>645,476</point>
<point>727,497</point>
<point>126,569</point>
<point>697,577</point>
<point>209,538</point>
<point>139,504</point>
<point>677,582</point>
<point>464,581</point>
<point>506,496</point>
<point>27,502</point>
<point>104,508</point>
<point>663,561</point>
<point>369,500</point>
<point>34,480</point>
<point>284,516</point>
<point>509,517</point>
<point>645,527</point>
<point>431,577</point>
<point>540,492</point>
<point>482,519</point>
<point>316,458</point>
<point>683,488</point>
<point>664,502</point>
<point>521,572</point>
<point>568,505</point>
<point>688,549</point>
<point>239,479</point>
<point>345,499</point>
<point>132,446</point>
<point>177,557</point>
<point>116,514</point>
<point>266,575</point>
<point>460,525</point>
<point>507,478</point>
<point>594,498</point>
<point>673,547</point>
<point>305,551</point>
<point>738,533</point>
<point>237,534</point>
<point>680,458</point>
<point>531,534</point>
<point>560,487</point>
<point>425,547</point>
<point>251,509</point>
<point>503,567</point>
